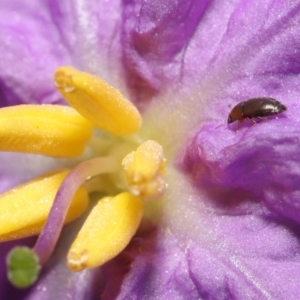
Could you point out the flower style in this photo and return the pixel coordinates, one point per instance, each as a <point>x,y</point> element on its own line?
<point>228,224</point>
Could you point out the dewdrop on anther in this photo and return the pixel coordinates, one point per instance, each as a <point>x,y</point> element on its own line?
<point>64,83</point>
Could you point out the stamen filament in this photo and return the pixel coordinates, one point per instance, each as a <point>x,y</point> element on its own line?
<point>51,231</point>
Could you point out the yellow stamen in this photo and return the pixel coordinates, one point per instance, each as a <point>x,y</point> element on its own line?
<point>145,171</point>
<point>44,129</point>
<point>24,209</point>
<point>107,231</point>
<point>94,99</point>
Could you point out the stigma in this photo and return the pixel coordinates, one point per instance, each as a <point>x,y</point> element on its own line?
<point>115,161</point>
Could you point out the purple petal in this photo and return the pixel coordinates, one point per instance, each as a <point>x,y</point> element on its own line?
<point>155,36</point>
<point>264,42</point>
<point>30,52</point>
<point>259,162</point>
<point>90,30</point>
<point>251,177</point>
<point>241,257</point>
<point>41,36</point>
<point>251,259</point>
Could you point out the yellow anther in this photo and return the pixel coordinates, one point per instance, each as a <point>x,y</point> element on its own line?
<point>145,171</point>
<point>52,130</point>
<point>24,209</point>
<point>97,101</point>
<point>107,231</point>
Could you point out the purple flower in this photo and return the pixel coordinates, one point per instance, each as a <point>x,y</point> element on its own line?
<point>228,226</point>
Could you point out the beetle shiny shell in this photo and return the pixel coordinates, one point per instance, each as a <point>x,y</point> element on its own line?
<point>255,108</point>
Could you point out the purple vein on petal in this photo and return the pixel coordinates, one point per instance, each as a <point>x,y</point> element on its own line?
<point>51,231</point>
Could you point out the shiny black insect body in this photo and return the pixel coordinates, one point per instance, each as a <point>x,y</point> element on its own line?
<point>255,108</point>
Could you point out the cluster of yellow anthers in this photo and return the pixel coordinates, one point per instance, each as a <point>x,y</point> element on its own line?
<point>63,131</point>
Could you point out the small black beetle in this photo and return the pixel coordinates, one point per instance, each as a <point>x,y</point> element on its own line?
<point>255,108</point>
